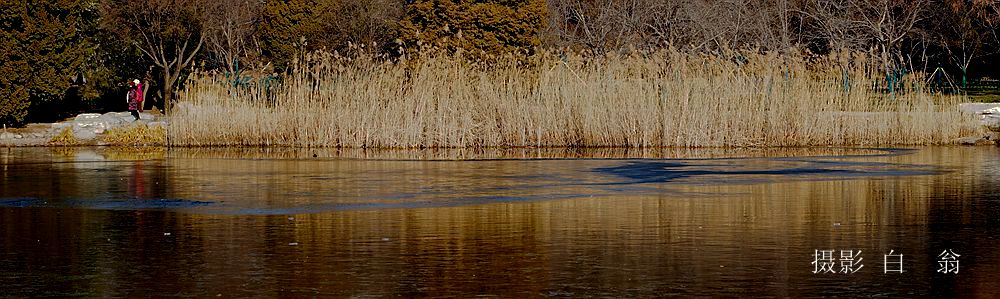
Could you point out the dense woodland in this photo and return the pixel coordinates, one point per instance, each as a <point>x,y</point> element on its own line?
<point>65,56</point>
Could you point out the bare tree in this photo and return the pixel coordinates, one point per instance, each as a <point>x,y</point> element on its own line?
<point>358,22</point>
<point>668,25</point>
<point>599,25</point>
<point>698,24</point>
<point>867,24</point>
<point>774,25</point>
<point>365,21</point>
<point>967,31</point>
<point>902,34</point>
<point>230,34</point>
<point>170,33</point>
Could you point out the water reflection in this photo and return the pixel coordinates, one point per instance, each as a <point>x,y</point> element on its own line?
<point>207,222</point>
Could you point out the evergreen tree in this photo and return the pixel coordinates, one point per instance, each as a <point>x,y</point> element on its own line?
<point>44,47</point>
<point>290,26</point>
<point>286,25</point>
<point>481,28</point>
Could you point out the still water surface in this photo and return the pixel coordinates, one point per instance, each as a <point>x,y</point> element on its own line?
<point>507,223</point>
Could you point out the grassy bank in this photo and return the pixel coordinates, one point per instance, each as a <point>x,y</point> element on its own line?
<point>666,98</point>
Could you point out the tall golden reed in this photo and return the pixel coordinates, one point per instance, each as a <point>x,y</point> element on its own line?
<point>664,98</point>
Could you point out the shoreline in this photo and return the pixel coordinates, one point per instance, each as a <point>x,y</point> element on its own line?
<point>989,139</point>
<point>93,128</point>
<point>116,153</point>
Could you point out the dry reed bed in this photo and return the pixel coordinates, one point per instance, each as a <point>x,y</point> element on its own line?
<point>665,98</point>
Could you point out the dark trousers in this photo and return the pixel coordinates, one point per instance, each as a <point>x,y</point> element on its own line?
<point>135,114</point>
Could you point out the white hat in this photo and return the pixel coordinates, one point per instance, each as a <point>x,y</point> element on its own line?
<point>136,81</point>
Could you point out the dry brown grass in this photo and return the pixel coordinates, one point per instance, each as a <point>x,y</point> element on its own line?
<point>136,135</point>
<point>65,138</point>
<point>666,98</point>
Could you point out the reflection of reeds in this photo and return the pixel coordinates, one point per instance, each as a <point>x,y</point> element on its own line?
<point>506,153</point>
<point>64,152</point>
<point>665,98</point>
<point>133,153</point>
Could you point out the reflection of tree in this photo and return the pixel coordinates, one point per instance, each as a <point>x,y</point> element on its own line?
<point>61,173</point>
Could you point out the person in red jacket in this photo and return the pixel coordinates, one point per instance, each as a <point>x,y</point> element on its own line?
<point>140,92</point>
<point>134,98</point>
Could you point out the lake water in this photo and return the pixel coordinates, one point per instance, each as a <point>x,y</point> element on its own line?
<point>507,223</point>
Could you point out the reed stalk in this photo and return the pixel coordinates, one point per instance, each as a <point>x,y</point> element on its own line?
<point>666,98</point>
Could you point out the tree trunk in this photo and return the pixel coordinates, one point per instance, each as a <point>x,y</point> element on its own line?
<point>145,89</point>
<point>168,89</point>
<point>964,72</point>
